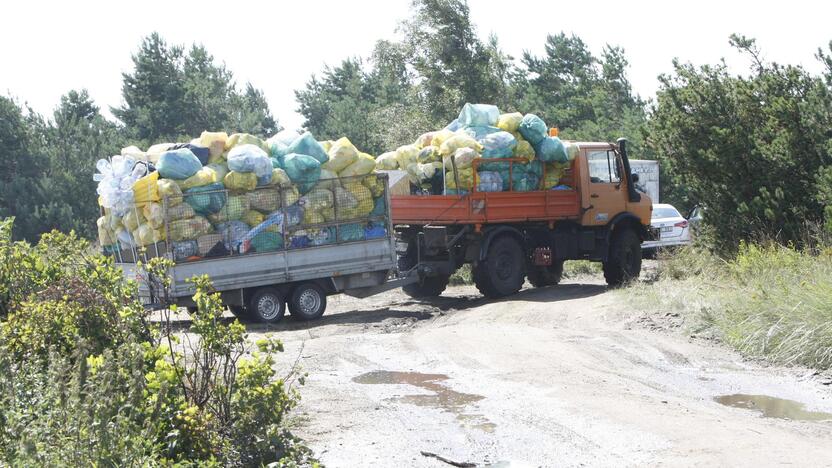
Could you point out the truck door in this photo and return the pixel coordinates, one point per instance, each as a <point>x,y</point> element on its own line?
<point>603,193</point>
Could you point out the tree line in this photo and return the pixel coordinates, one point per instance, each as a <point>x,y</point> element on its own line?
<point>755,148</point>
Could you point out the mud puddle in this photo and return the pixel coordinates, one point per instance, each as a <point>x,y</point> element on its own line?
<point>442,397</point>
<point>772,407</point>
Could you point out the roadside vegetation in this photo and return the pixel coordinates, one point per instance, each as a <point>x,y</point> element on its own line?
<point>87,380</point>
<point>768,300</point>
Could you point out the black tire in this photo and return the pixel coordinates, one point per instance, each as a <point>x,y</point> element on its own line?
<point>543,276</point>
<point>308,302</point>
<point>503,271</point>
<point>266,306</point>
<point>432,286</point>
<point>624,262</point>
<point>192,310</point>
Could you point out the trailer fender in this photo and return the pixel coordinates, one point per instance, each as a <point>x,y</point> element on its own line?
<point>492,233</point>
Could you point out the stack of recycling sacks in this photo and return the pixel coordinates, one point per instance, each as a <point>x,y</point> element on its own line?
<point>481,131</point>
<point>222,194</point>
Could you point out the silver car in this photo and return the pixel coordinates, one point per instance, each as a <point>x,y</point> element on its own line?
<point>674,228</point>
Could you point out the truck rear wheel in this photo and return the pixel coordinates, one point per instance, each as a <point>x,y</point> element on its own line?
<point>308,302</point>
<point>267,305</point>
<point>624,262</point>
<point>431,286</point>
<point>541,276</point>
<point>501,273</point>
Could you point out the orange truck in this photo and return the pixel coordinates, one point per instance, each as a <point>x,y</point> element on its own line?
<point>509,236</point>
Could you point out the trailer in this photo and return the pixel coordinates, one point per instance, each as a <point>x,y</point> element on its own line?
<point>596,214</point>
<point>307,263</point>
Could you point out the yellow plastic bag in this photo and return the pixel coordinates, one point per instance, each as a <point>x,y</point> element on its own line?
<point>524,149</point>
<point>253,218</point>
<point>440,137</point>
<point>364,200</point>
<point>553,173</point>
<point>280,178</point>
<point>509,122</point>
<point>133,219</point>
<point>376,186</point>
<point>289,195</point>
<point>235,208</point>
<point>459,140</point>
<point>345,199</point>
<point>204,176</point>
<point>363,165</point>
<point>572,151</point>
<point>406,155</point>
<point>424,140</point>
<point>246,139</point>
<point>169,189</point>
<point>105,235</point>
<point>387,161</point>
<point>313,217</point>
<point>145,235</point>
<point>341,155</point>
<point>463,158</point>
<point>328,179</point>
<point>181,211</point>
<point>114,223</point>
<point>190,228</point>
<point>154,215</point>
<point>317,199</point>
<point>215,142</point>
<point>240,181</point>
<point>146,190</point>
<point>264,200</point>
<point>466,179</point>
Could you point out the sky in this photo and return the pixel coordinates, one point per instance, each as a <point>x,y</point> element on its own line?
<point>49,48</point>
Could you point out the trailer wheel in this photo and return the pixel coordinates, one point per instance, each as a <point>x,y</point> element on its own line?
<point>624,262</point>
<point>501,273</point>
<point>541,276</point>
<point>308,302</point>
<point>431,286</point>
<point>267,305</point>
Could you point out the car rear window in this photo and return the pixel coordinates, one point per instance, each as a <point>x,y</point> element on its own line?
<point>664,212</point>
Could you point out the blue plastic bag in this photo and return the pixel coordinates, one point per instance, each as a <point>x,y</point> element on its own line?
<point>278,149</point>
<point>206,200</point>
<point>178,164</point>
<point>453,126</point>
<point>499,144</point>
<point>533,129</point>
<point>473,115</point>
<point>304,171</point>
<point>249,158</point>
<point>551,149</point>
<point>233,233</point>
<point>202,153</point>
<point>352,232</point>
<point>489,182</point>
<point>307,145</point>
<point>479,133</point>
<point>374,231</point>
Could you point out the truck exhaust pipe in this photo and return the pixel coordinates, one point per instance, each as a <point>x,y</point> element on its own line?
<point>632,193</point>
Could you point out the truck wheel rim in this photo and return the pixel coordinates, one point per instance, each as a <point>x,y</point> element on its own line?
<point>504,266</point>
<point>309,301</point>
<point>268,307</point>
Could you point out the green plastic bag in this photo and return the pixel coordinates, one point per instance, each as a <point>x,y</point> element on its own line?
<point>533,129</point>
<point>304,171</point>
<point>307,145</point>
<point>178,164</point>
<point>267,241</point>
<point>206,200</point>
<point>551,149</point>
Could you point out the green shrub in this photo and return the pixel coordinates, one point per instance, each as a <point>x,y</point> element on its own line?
<point>85,380</point>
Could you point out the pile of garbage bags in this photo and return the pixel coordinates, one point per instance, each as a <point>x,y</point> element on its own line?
<point>225,194</point>
<point>442,162</point>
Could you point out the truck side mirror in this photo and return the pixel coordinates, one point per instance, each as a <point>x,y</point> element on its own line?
<point>634,177</point>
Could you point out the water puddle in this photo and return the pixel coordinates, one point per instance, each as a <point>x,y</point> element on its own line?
<point>441,397</point>
<point>772,407</point>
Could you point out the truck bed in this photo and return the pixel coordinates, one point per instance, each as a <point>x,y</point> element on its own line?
<point>486,207</point>
<point>351,265</point>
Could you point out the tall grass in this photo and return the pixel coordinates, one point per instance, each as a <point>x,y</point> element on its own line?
<point>768,301</point>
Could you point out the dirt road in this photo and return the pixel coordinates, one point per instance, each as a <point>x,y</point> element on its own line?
<point>561,376</point>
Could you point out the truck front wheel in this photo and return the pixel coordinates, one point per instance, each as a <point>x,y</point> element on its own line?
<point>431,286</point>
<point>624,262</point>
<point>541,276</point>
<point>267,305</point>
<point>501,273</point>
